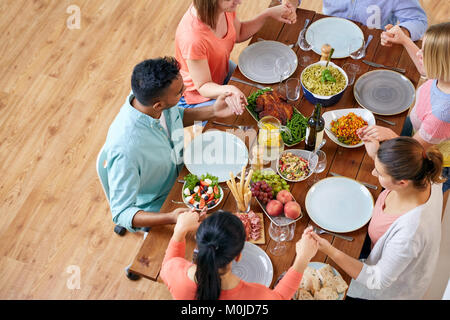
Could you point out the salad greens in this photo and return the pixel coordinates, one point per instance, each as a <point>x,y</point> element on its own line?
<point>191,181</point>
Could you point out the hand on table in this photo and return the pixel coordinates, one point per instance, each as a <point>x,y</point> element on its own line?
<point>393,34</point>
<point>234,99</point>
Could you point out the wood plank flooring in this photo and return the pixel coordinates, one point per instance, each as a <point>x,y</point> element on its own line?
<point>60,90</point>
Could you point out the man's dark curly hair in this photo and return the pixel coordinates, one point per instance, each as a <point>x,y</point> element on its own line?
<point>152,77</point>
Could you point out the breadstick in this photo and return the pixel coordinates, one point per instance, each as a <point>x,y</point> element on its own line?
<point>248,197</point>
<point>235,194</point>
<point>249,178</point>
<point>242,182</point>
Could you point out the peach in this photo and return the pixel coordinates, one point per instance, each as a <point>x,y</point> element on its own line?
<point>284,196</point>
<point>274,208</point>
<point>292,210</point>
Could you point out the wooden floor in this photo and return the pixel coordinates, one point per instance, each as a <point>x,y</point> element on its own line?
<point>60,89</point>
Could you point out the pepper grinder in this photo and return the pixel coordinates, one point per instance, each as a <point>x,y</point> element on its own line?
<point>326,50</point>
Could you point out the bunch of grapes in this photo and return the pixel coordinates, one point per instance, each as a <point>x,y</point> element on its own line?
<point>262,191</point>
<point>272,179</point>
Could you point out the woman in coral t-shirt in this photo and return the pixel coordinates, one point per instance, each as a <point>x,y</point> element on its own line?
<point>220,240</point>
<point>204,40</point>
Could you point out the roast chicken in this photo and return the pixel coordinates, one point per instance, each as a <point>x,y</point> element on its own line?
<point>271,103</point>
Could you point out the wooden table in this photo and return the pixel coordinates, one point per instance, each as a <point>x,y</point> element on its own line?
<point>353,163</point>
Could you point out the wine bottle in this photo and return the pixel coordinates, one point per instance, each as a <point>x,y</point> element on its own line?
<point>315,129</point>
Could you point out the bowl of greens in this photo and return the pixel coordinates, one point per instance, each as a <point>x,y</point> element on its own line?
<point>202,192</point>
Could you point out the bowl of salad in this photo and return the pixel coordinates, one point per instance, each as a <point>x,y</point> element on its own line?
<point>292,165</point>
<point>201,192</point>
<point>341,125</point>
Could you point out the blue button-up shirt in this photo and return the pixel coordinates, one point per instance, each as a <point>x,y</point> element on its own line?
<point>143,161</point>
<point>379,13</point>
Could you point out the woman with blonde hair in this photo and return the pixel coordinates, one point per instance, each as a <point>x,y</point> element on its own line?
<point>405,229</point>
<point>204,40</point>
<point>429,120</point>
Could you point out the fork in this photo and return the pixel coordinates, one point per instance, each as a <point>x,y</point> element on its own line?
<point>387,121</point>
<point>243,128</point>
<point>321,231</point>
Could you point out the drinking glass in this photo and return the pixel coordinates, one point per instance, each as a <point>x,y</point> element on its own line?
<point>303,43</point>
<point>279,234</point>
<point>282,69</point>
<point>351,70</point>
<point>291,231</point>
<point>317,162</point>
<point>356,48</point>
<point>293,89</point>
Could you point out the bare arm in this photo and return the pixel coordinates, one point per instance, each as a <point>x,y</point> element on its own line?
<point>245,30</point>
<point>201,75</point>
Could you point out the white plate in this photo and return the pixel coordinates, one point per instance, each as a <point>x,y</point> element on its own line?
<point>257,61</point>
<point>339,204</point>
<point>320,265</point>
<point>336,114</point>
<point>217,153</point>
<point>337,32</point>
<point>300,153</point>
<point>255,265</point>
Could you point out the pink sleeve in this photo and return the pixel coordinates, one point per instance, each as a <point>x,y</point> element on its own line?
<point>174,259</point>
<point>289,284</point>
<point>433,130</point>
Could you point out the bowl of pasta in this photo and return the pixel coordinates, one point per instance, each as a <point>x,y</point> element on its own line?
<point>324,85</point>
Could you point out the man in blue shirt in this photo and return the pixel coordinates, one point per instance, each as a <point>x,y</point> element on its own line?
<point>144,145</point>
<point>380,14</point>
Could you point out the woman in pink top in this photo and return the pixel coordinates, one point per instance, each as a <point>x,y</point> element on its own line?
<point>429,120</point>
<point>204,40</point>
<point>220,240</point>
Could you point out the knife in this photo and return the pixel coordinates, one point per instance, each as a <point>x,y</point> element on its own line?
<point>371,186</point>
<point>377,65</point>
<point>248,83</point>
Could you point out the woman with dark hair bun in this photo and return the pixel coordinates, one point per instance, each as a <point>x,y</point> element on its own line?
<point>220,240</point>
<point>405,229</point>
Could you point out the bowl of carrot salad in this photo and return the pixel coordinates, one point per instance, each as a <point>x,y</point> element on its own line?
<point>341,125</point>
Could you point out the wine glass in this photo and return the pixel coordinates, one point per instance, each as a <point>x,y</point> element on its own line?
<point>304,43</point>
<point>317,162</point>
<point>356,48</point>
<point>279,233</point>
<point>282,69</point>
<point>293,89</point>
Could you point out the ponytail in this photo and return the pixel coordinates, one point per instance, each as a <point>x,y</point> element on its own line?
<point>220,239</point>
<point>405,159</point>
<point>207,274</point>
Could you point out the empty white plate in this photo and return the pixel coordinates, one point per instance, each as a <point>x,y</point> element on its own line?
<point>257,61</point>
<point>337,32</point>
<point>339,204</point>
<point>255,265</point>
<point>384,92</point>
<point>217,153</point>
